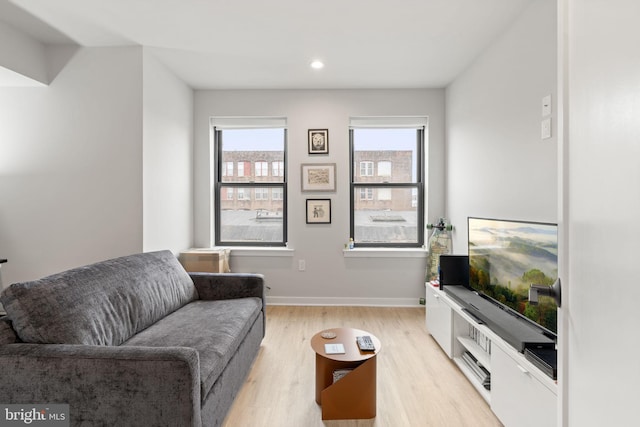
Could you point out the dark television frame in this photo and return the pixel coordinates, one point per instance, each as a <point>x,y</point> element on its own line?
<point>473,286</point>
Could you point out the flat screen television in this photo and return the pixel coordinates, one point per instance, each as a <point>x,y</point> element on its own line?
<point>506,257</point>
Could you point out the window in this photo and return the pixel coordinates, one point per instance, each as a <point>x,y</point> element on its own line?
<point>384,168</point>
<point>227,169</point>
<point>262,169</point>
<point>256,216</point>
<point>366,194</point>
<point>227,194</point>
<point>387,204</point>
<point>366,168</point>
<point>276,193</point>
<point>277,168</point>
<point>244,194</point>
<point>262,193</point>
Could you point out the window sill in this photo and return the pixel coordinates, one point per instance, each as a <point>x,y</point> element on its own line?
<point>385,253</point>
<point>260,251</point>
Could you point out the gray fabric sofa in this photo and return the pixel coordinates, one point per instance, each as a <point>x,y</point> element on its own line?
<point>133,341</point>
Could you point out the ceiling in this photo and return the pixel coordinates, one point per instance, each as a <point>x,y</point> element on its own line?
<point>257,44</point>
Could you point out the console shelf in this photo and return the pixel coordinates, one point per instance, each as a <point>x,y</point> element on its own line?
<point>517,385</point>
<point>486,394</point>
<point>481,354</point>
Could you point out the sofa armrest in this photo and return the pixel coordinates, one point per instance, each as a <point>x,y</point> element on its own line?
<point>216,286</point>
<point>104,385</point>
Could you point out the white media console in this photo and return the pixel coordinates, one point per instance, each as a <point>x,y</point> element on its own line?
<point>520,394</point>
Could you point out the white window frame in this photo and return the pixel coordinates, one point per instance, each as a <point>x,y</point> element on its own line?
<point>261,167</point>
<point>243,193</point>
<point>366,194</point>
<point>261,193</point>
<point>227,169</point>
<point>276,194</point>
<point>277,168</point>
<point>366,168</point>
<point>230,192</point>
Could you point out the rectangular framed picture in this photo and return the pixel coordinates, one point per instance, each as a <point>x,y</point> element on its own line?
<point>318,141</point>
<point>318,211</point>
<point>318,177</point>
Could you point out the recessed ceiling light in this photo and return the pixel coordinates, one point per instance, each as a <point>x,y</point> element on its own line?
<point>316,65</point>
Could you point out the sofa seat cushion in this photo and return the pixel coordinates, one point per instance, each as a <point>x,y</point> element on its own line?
<point>100,304</point>
<point>214,328</point>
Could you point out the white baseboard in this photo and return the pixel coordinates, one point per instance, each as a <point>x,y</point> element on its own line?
<point>342,301</point>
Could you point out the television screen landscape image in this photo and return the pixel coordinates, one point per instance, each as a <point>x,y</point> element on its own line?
<point>506,257</point>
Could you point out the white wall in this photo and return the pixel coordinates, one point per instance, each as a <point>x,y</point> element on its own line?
<point>601,181</point>
<point>329,276</point>
<point>70,165</point>
<point>168,159</point>
<point>497,164</point>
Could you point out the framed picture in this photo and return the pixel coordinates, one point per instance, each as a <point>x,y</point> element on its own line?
<point>318,141</point>
<point>318,211</point>
<point>318,177</point>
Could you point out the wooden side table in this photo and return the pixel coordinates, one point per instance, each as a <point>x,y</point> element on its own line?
<point>354,395</point>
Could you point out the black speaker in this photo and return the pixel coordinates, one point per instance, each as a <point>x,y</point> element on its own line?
<point>454,270</point>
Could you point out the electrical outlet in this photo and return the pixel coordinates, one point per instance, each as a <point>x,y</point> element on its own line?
<point>546,129</point>
<point>302,265</point>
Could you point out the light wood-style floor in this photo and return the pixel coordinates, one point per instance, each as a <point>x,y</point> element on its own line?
<point>417,384</point>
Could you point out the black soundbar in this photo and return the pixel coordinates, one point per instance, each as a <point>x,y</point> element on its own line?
<point>509,326</point>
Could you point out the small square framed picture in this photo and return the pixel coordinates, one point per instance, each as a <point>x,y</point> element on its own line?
<point>318,211</point>
<point>318,141</point>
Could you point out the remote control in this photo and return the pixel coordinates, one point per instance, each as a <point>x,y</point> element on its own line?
<point>365,343</point>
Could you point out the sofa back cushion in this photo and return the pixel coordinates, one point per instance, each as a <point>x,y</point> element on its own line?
<point>100,304</point>
<point>7,334</point>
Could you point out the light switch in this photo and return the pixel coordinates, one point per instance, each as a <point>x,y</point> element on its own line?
<point>546,106</point>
